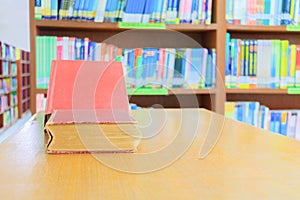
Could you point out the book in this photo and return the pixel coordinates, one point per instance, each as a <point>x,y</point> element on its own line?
<point>89,109</point>
<point>92,131</point>
<point>103,89</point>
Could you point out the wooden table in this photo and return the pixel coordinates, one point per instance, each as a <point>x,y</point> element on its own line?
<point>245,163</point>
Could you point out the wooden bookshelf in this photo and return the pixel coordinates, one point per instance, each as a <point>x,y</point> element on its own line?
<point>8,86</point>
<point>209,36</point>
<point>23,65</point>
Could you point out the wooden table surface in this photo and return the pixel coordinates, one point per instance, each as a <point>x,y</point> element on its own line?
<point>171,163</point>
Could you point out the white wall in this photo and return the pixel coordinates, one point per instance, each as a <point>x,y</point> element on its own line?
<point>14,23</point>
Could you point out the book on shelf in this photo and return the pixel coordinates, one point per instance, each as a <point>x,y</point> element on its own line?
<point>130,11</point>
<point>88,98</point>
<point>261,64</point>
<point>265,12</point>
<point>143,67</point>
<point>284,122</point>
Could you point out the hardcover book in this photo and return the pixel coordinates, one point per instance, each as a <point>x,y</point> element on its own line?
<point>93,131</point>
<point>89,109</point>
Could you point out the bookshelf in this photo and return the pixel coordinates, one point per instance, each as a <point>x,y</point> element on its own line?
<point>23,65</point>
<point>210,36</point>
<point>8,86</point>
<point>273,98</point>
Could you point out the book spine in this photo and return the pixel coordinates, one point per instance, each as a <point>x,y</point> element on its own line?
<point>297,73</point>
<point>38,9</point>
<point>284,64</point>
<point>54,9</point>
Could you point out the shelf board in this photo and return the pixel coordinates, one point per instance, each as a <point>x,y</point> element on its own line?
<point>191,27</point>
<point>260,91</point>
<point>41,91</point>
<point>105,26</point>
<point>175,91</point>
<point>192,91</point>
<point>256,28</point>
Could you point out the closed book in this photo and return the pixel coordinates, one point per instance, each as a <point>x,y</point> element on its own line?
<point>100,83</point>
<point>99,122</point>
<point>91,131</point>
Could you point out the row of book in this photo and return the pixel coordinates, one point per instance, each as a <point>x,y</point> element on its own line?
<point>9,116</point>
<point>263,12</point>
<point>145,11</point>
<point>284,122</point>
<point>262,64</point>
<point>157,67</point>
<point>4,104</point>
<point>7,101</point>
<point>7,51</point>
<point>8,68</point>
<point>170,67</point>
<point>8,84</point>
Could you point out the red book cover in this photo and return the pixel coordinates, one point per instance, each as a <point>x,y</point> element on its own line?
<point>84,85</point>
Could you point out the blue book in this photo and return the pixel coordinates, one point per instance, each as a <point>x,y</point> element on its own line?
<point>286,17</point>
<point>82,49</point>
<point>278,16</point>
<point>262,117</point>
<point>267,11</point>
<point>92,5</point>
<point>113,11</point>
<point>194,12</point>
<point>227,61</point>
<point>277,122</point>
<point>149,6</point>
<point>239,108</point>
<point>127,14</point>
<point>54,9</point>
<point>75,9</point>
<point>91,50</point>
<point>272,121</point>
<point>158,11</point>
<point>85,10</point>
<point>81,10</point>
<point>140,11</point>
<point>195,68</point>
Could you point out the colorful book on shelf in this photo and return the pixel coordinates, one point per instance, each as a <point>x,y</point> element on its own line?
<point>99,122</point>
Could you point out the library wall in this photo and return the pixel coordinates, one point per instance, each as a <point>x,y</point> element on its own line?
<point>15,27</point>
